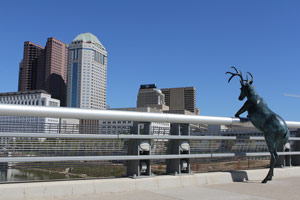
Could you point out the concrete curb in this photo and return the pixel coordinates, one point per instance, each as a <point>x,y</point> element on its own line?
<point>63,189</point>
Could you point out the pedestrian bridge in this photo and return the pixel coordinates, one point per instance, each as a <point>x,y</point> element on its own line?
<point>152,144</point>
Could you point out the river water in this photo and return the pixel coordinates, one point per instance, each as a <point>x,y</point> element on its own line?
<point>27,175</point>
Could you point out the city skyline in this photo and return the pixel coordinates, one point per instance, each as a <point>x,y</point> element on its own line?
<point>174,45</point>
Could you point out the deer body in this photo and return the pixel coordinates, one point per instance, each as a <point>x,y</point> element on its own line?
<point>263,118</point>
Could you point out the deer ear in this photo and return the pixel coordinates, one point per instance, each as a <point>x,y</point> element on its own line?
<point>251,81</point>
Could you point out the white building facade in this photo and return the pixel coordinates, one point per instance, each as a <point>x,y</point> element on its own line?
<point>125,127</point>
<point>29,124</point>
<point>87,73</point>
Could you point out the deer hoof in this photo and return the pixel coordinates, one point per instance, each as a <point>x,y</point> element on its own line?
<point>265,181</point>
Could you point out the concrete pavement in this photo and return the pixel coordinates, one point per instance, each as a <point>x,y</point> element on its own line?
<point>278,189</point>
<point>218,185</point>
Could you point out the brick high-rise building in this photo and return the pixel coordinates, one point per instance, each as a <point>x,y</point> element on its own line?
<point>56,69</point>
<point>180,98</point>
<point>28,66</point>
<point>47,68</point>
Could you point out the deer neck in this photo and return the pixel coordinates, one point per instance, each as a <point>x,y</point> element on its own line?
<point>252,95</point>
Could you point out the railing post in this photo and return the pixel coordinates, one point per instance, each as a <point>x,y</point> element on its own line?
<point>285,160</point>
<point>178,166</point>
<point>288,158</point>
<point>296,147</point>
<point>139,147</point>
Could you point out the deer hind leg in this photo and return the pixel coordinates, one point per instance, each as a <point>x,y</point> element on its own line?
<point>274,156</point>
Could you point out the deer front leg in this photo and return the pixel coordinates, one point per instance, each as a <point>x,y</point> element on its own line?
<point>243,109</point>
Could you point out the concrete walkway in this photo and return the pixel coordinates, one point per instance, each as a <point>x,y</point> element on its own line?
<point>217,185</point>
<point>283,188</point>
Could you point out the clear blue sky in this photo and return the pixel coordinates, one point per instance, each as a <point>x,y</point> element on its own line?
<point>171,43</point>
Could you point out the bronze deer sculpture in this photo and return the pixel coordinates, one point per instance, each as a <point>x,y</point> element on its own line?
<point>273,126</point>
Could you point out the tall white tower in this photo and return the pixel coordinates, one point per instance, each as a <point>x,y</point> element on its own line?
<point>87,73</point>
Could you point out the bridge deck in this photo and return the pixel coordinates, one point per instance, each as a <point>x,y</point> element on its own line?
<point>219,185</point>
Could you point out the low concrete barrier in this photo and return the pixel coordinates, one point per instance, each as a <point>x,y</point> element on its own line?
<point>63,189</point>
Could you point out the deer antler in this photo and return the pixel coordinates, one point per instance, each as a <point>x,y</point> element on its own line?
<point>251,81</point>
<point>238,73</point>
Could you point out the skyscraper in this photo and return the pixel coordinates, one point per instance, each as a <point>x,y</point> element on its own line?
<point>28,66</point>
<point>87,73</point>
<point>56,69</point>
<point>180,98</point>
<point>45,68</point>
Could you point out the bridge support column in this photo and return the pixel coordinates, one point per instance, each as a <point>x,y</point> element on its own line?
<point>296,147</point>
<point>139,147</point>
<point>180,147</point>
<point>3,171</point>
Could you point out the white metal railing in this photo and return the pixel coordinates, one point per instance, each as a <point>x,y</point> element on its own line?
<point>76,113</point>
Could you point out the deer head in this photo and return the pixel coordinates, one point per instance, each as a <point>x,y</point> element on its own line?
<point>246,84</point>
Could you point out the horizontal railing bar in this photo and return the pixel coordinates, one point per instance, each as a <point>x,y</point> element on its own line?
<point>102,158</point>
<point>262,138</point>
<point>112,136</point>
<point>257,138</point>
<point>104,136</point>
<point>267,153</point>
<point>56,135</point>
<point>78,113</point>
<point>148,157</point>
<point>294,138</point>
<point>218,155</point>
<point>289,153</point>
<point>182,137</point>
